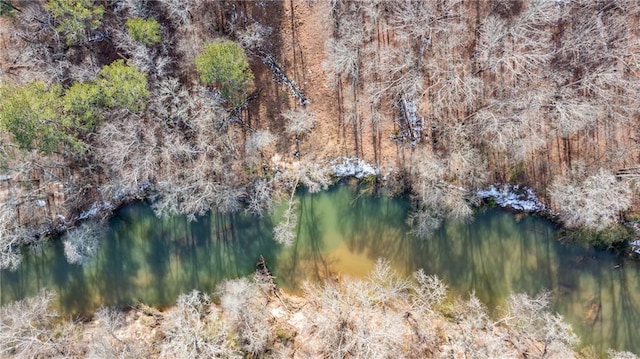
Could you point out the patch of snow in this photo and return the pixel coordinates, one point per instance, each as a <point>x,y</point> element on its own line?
<point>635,246</point>
<point>298,320</point>
<point>127,192</point>
<point>354,167</point>
<point>278,312</point>
<point>40,203</point>
<point>95,209</point>
<point>513,196</point>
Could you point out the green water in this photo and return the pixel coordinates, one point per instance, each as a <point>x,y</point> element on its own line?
<point>144,259</point>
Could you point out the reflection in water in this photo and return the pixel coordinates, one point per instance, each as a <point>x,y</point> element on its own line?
<point>144,259</point>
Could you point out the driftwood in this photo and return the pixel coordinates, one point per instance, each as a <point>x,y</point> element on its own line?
<point>265,280</point>
<point>628,172</point>
<point>281,77</point>
<point>264,277</point>
<point>411,123</point>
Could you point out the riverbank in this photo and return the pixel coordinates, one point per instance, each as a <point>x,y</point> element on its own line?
<point>341,232</point>
<point>384,314</point>
<point>518,199</point>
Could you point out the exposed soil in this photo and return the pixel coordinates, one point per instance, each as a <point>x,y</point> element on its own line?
<point>306,27</point>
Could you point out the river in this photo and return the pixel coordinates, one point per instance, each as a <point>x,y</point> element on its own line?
<point>340,232</point>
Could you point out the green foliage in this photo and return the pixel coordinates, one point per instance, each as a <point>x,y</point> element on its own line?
<point>43,118</point>
<point>144,31</point>
<point>30,113</point>
<point>122,85</point>
<point>81,103</point>
<point>75,17</point>
<point>6,8</point>
<point>224,64</point>
<point>118,86</point>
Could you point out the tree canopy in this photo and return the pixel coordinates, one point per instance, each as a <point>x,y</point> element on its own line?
<point>43,118</point>
<point>224,64</point>
<point>81,103</point>
<point>145,31</point>
<point>30,114</point>
<point>75,17</point>
<point>123,85</point>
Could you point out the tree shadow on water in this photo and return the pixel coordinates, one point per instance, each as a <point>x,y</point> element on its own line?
<point>119,258</point>
<point>610,316</point>
<point>376,226</point>
<point>306,258</point>
<point>32,274</point>
<point>226,246</point>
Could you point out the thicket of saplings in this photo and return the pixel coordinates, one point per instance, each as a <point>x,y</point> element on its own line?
<point>381,316</point>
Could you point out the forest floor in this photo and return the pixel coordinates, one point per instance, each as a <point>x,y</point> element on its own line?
<point>305,29</point>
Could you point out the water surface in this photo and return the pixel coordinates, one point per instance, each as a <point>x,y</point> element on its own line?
<point>342,233</point>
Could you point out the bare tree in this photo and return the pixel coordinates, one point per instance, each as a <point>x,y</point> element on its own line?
<point>180,12</point>
<point>106,342</point>
<point>361,318</point>
<point>243,302</point>
<point>285,231</point>
<point>299,122</point>
<point>531,327</point>
<point>194,329</point>
<point>137,53</point>
<point>259,141</point>
<point>253,35</point>
<point>571,114</point>
<point>28,329</point>
<point>343,51</point>
<point>518,47</point>
<point>40,45</point>
<point>260,197</point>
<point>595,202</point>
<point>259,145</point>
<point>81,243</point>
<point>475,334</point>
<point>435,198</point>
<point>315,177</point>
<point>429,290</point>
<point>454,88</point>
<point>512,124</point>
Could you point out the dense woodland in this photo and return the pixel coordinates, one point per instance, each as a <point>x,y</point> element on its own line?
<point>231,105</point>
<point>210,105</point>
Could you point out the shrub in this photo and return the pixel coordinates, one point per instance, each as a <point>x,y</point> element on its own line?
<point>123,85</point>
<point>145,31</point>
<point>81,103</point>
<point>75,17</point>
<point>30,113</point>
<point>224,64</point>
